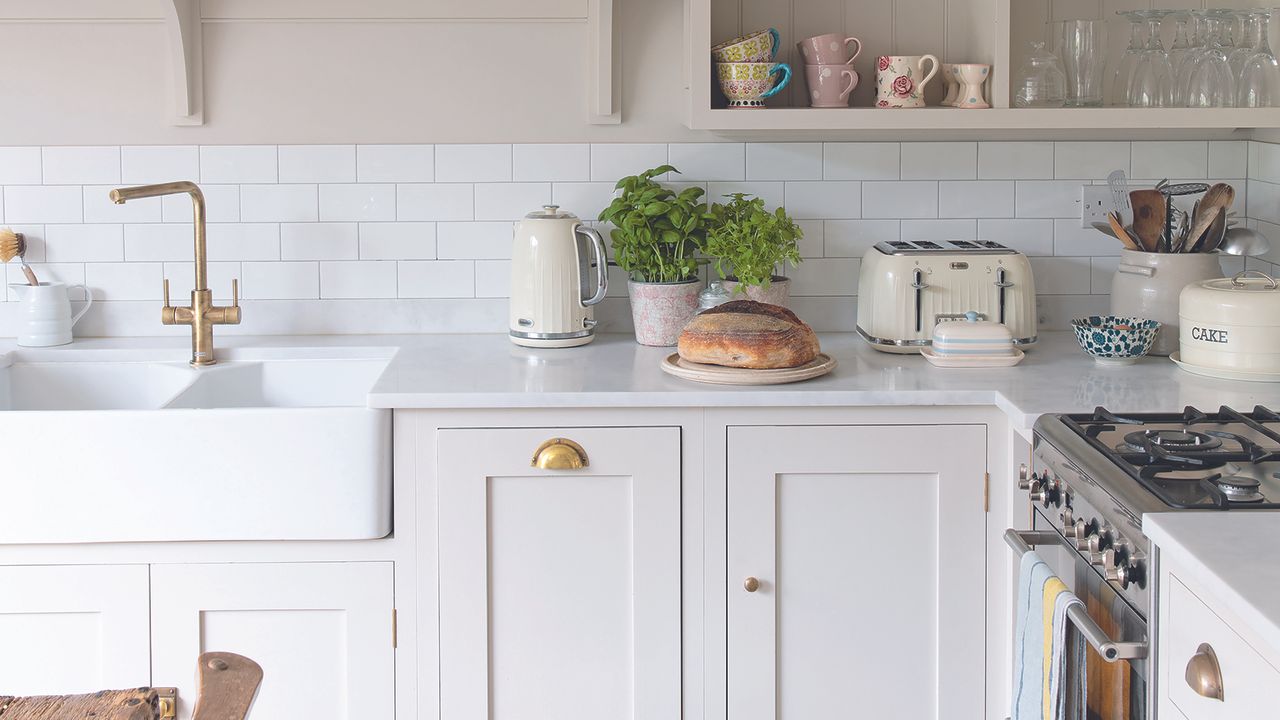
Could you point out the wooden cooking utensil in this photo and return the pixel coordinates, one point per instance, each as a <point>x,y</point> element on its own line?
<point>1149,217</point>
<point>1200,230</point>
<point>1220,195</point>
<point>1123,235</point>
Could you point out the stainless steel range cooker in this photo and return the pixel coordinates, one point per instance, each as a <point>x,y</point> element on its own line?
<point>1093,477</point>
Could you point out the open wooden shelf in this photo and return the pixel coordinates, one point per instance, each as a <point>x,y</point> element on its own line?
<point>937,118</point>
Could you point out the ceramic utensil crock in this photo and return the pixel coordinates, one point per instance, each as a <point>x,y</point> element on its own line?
<point>46,313</point>
<point>1232,323</point>
<point>1147,285</point>
<point>901,80</point>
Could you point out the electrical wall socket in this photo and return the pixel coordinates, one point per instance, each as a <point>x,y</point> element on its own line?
<point>1095,203</point>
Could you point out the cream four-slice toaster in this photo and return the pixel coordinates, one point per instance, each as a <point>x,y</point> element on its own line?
<point>907,287</point>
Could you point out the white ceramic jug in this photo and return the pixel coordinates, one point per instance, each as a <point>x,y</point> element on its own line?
<point>46,313</point>
<point>1147,285</point>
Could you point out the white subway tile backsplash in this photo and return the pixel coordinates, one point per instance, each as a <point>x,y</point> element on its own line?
<point>81,165</point>
<point>317,163</point>
<point>319,241</point>
<point>151,242</point>
<point>125,280</point>
<point>1102,271</point>
<point>281,280</point>
<point>395,163</point>
<point>1062,275</point>
<point>1027,236</point>
<point>810,241</point>
<point>493,278</point>
<point>1047,199</point>
<point>861,161</point>
<point>358,279</point>
<point>83,243</point>
<point>584,199</point>
<point>244,241</point>
<point>1015,160</point>
<point>1170,159</point>
<point>1089,160</point>
<point>397,241</point>
<point>279,203</point>
<point>904,199</point>
<point>825,199</point>
<point>474,240</point>
<point>98,207</point>
<point>20,166</point>
<point>825,277</point>
<point>940,161</point>
<point>976,199</point>
<point>510,201</point>
<point>182,279</point>
<point>939,229</point>
<point>437,278</point>
<point>611,162</point>
<point>358,202</point>
<point>473,163</point>
<point>144,164</point>
<point>1069,239</point>
<point>784,161</point>
<point>238,164</point>
<point>709,161</point>
<point>36,204</point>
<point>1263,202</point>
<point>222,204</point>
<point>451,201</point>
<point>773,193</point>
<point>852,238</point>
<point>556,162</point>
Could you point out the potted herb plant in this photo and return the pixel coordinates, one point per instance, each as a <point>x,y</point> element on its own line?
<point>656,238</point>
<point>749,244</point>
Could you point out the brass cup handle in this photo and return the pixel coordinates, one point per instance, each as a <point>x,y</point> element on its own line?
<point>560,454</point>
<point>1204,674</point>
<point>751,584</point>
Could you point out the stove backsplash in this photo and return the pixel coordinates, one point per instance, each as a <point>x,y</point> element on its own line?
<point>416,238</point>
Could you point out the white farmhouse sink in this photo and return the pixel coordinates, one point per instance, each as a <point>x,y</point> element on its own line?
<point>113,446</point>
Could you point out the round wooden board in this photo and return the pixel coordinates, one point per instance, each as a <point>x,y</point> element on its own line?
<point>720,375</point>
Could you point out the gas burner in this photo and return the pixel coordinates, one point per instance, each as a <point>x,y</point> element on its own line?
<point>1241,483</point>
<point>1171,440</point>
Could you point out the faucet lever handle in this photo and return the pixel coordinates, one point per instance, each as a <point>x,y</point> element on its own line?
<point>235,292</point>
<point>166,292</point>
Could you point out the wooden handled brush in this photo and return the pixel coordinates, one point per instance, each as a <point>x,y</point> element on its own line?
<point>14,245</point>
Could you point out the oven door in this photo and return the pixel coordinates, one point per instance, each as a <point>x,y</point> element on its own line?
<point>1115,634</point>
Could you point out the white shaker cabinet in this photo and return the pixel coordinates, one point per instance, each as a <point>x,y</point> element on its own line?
<point>73,629</point>
<point>856,572</point>
<point>559,587</point>
<point>322,632</point>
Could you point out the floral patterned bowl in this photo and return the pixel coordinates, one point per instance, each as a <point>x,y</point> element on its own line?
<point>1115,340</point>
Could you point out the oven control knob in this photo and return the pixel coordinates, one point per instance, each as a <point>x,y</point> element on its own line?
<point>1068,522</point>
<point>1137,574</point>
<point>1024,477</point>
<point>1037,493</point>
<point>1084,532</point>
<point>1100,541</point>
<point>1109,567</point>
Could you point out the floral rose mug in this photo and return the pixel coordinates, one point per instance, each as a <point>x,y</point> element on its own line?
<point>900,80</point>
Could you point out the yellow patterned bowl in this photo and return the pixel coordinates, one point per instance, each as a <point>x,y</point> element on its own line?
<point>759,46</point>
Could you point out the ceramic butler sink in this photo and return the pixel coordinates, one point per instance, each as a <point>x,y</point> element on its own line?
<point>116,446</point>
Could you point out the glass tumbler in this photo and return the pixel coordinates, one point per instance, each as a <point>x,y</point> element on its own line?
<point>1259,84</point>
<point>1084,57</point>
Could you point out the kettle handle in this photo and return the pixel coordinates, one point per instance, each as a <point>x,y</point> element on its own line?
<point>602,264</point>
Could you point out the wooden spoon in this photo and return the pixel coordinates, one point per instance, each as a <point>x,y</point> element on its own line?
<point>1200,231</point>
<point>1220,195</point>
<point>1149,209</point>
<point>1121,233</point>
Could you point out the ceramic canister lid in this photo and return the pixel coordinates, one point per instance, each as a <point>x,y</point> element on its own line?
<point>972,337</point>
<point>1239,300</point>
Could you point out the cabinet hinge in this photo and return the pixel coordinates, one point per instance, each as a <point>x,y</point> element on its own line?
<point>986,492</point>
<point>395,630</point>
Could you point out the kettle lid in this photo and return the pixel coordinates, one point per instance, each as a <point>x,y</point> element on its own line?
<point>550,212</point>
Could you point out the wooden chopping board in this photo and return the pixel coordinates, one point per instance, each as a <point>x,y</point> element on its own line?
<point>673,364</point>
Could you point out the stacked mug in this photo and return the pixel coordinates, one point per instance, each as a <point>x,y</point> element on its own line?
<point>746,71</point>
<point>828,68</point>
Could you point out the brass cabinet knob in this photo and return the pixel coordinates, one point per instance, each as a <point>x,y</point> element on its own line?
<point>560,454</point>
<point>1204,675</point>
<point>751,584</point>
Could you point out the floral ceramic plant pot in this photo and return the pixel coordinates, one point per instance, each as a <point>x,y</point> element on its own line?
<point>661,310</point>
<point>778,292</point>
<point>901,79</point>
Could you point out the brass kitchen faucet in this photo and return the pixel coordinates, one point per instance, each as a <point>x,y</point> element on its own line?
<point>202,314</point>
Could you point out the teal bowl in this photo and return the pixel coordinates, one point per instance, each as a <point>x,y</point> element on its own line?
<point>1115,340</point>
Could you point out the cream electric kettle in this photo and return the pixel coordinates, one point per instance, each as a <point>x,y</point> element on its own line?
<point>551,294</point>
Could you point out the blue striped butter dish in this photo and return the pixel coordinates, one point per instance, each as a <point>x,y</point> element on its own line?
<point>972,342</point>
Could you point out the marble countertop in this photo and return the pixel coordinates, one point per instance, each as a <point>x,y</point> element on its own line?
<point>1227,552</point>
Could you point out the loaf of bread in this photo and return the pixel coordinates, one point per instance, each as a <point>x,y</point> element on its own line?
<point>748,334</point>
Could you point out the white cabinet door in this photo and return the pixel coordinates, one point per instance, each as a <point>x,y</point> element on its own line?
<point>322,632</point>
<point>559,589</point>
<point>73,629</point>
<point>868,545</point>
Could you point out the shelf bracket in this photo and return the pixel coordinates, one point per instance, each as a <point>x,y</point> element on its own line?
<point>186,59</point>
<point>604,71</point>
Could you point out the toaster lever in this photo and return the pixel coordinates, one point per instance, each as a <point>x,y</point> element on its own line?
<point>917,282</point>
<point>1002,284</point>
